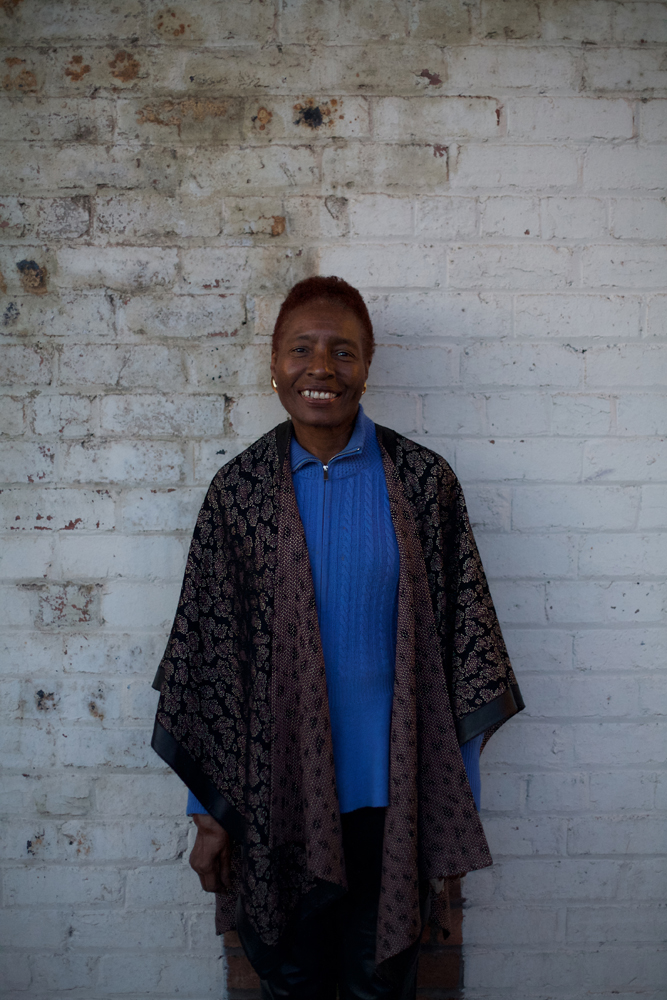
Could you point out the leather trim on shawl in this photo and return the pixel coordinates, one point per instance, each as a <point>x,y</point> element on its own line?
<point>243,693</point>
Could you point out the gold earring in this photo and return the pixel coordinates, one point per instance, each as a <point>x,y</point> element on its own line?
<point>274,384</point>
<point>364,389</point>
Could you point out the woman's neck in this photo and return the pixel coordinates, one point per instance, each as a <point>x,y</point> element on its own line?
<point>323,442</point>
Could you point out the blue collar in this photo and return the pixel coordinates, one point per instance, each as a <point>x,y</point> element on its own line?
<point>355,446</point>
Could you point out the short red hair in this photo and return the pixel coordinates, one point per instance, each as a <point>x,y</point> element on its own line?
<point>335,290</point>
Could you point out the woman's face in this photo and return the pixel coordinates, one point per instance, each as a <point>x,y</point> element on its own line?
<point>319,365</point>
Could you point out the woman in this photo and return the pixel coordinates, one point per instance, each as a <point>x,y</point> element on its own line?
<point>334,647</point>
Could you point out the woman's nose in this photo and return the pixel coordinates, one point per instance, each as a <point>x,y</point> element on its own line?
<point>321,364</point>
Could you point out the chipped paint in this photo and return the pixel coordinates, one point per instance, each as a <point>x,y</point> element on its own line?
<point>278,226</point>
<point>433,79</point>
<point>24,80</point>
<point>173,113</point>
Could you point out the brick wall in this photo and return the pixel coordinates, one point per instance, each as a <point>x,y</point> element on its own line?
<point>491,174</point>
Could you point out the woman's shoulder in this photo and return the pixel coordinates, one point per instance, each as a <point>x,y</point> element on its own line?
<point>258,461</point>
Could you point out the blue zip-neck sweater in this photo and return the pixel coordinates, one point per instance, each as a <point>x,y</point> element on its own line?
<point>354,561</point>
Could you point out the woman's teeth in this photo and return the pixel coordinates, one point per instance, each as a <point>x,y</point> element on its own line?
<point>310,394</point>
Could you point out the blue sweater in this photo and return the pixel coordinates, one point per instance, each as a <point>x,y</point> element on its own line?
<point>354,561</point>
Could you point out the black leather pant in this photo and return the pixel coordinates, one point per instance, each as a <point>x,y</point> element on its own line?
<point>333,947</point>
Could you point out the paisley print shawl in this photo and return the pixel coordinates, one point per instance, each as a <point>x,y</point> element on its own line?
<point>243,713</point>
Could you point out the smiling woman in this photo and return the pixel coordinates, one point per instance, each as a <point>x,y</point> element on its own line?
<point>334,666</point>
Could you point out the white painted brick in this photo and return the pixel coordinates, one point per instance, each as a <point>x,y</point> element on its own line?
<point>84,316</point>
<point>161,510</point>
<point>626,365</point>
<point>22,558</point>
<point>446,413</point>
<point>501,792</point>
<point>439,119</point>
<point>642,834</point>
<point>148,215</point>
<point>58,121</point>
<point>519,603</point>
<point>62,885</point>
<point>21,930</point>
<point>131,931</point>
<point>509,555</point>
<point>103,556</point>
<point>211,455</point>
<point>584,507</point>
<point>128,462</point>
<point>15,971</point>
<point>639,219</point>
<point>557,793</point>
<point>640,23</point>
<point>27,462</point>
<point>531,745</point>
<point>69,416</point>
<point>386,168</point>
<point>620,791</point>
<point>516,267</point>
<point>544,650</point>
<point>511,414</point>
<point>123,269</point>
<point>171,885</point>
<point>309,22</point>
<point>396,409</point>
<point>529,167</point>
<point>142,795</point>
<point>653,512</point>
<point>179,975</point>
<point>446,218</point>
<point>488,507</point>
<point>639,460</point>
<point>440,314</point>
<point>584,601</point>
<point>641,414</point>
<point>536,459</point>
<point>56,509</point>
<point>580,696</point>
<point>626,166</point>
<point>617,555</point>
<point>375,266</point>
<point>636,649</point>
<point>122,367</point>
<point>59,218</point>
<point>233,269</point>
<point>119,747</point>
<point>616,924</point>
<point>521,365</point>
<point>653,120</point>
<point>510,216</point>
<point>183,316</point>
<point>624,70</point>
<point>157,416</point>
<point>632,267</point>
<point>29,652</point>
<point>527,835</point>
<point>531,925</point>
<point>481,69</point>
<point>611,316</point>
<point>573,218</point>
<point>569,118</point>
<point>581,415</point>
<point>25,366</point>
<point>420,366</point>
<point>116,654</point>
<point>620,743</point>
<point>139,605</point>
<point>247,171</point>
<point>380,215</point>
<point>11,415</point>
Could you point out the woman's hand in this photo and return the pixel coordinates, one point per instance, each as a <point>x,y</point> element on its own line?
<point>211,857</point>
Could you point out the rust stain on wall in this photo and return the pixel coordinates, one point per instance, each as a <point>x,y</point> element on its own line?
<point>433,79</point>
<point>439,150</point>
<point>24,80</point>
<point>124,66</point>
<point>77,69</point>
<point>278,227</point>
<point>33,277</point>
<point>3,289</point>
<point>172,113</point>
<point>263,117</point>
<point>169,23</point>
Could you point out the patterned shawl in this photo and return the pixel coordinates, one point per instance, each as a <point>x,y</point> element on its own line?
<point>243,713</point>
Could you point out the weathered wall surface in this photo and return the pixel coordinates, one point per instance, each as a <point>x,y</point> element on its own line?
<point>491,174</point>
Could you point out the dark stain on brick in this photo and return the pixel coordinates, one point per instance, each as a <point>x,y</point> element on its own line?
<point>439,150</point>
<point>9,6</point>
<point>32,846</point>
<point>498,113</point>
<point>45,701</point>
<point>33,277</point>
<point>77,69</point>
<point>24,80</point>
<point>3,285</point>
<point>335,207</point>
<point>310,116</point>
<point>124,66</point>
<point>433,79</point>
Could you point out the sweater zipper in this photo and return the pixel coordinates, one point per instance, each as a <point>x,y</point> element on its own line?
<point>325,471</point>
